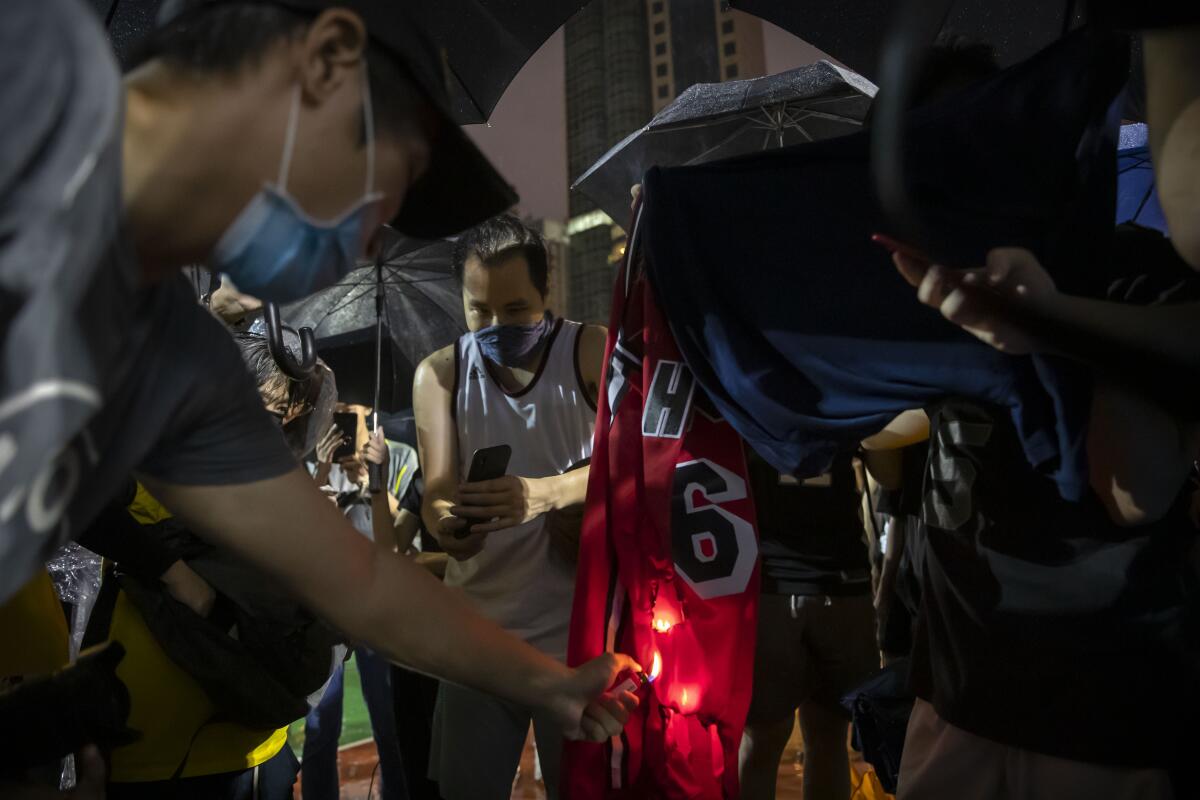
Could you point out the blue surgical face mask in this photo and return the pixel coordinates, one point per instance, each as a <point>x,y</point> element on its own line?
<point>513,345</point>
<point>273,250</point>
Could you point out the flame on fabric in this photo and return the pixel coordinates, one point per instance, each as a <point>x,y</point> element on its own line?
<point>662,624</point>
<point>685,698</point>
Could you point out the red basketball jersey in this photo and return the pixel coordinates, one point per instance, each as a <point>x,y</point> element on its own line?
<point>668,566</point>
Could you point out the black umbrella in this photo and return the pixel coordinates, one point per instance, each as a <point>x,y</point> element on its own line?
<point>852,31</point>
<point>710,121</point>
<point>485,42</point>
<point>421,312</point>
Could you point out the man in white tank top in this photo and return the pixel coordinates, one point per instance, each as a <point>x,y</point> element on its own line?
<point>524,379</point>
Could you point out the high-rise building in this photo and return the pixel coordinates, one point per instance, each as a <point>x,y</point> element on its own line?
<point>625,60</point>
<point>700,41</point>
<point>608,96</point>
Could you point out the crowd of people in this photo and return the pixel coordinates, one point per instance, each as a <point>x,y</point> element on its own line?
<point>256,532</point>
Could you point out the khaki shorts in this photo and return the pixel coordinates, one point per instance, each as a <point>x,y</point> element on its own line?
<point>810,648</point>
<point>941,761</point>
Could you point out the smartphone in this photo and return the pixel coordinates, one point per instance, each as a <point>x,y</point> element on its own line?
<point>897,246</point>
<point>487,464</point>
<point>347,423</point>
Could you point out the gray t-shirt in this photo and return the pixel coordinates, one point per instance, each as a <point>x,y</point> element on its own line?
<point>353,499</point>
<point>100,376</point>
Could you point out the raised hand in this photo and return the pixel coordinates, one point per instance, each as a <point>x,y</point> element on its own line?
<point>987,302</point>
<point>329,443</point>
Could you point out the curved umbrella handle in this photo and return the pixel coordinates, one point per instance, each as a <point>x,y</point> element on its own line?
<point>915,24</point>
<point>297,370</point>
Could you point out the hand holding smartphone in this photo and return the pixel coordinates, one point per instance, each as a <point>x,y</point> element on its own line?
<point>347,423</point>
<point>487,464</point>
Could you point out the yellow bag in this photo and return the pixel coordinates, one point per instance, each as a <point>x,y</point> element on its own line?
<point>866,786</point>
<point>33,628</point>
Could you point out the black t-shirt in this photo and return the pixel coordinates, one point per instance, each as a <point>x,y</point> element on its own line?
<point>1043,625</point>
<point>810,534</point>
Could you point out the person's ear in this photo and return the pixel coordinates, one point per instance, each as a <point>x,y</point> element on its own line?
<point>331,50</point>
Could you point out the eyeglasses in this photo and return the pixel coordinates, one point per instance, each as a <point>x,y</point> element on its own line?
<point>290,414</point>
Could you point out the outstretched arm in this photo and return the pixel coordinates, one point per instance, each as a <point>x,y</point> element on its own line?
<point>284,526</point>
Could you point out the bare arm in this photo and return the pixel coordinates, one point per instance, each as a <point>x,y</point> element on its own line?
<point>591,358</point>
<point>385,508</point>
<point>285,527</point>
<point>909,427</point>
<point>437,445</point>
<point>404,529</point>
<point>1172,57</point>
<point>326,447</point>
<point>382,526</point>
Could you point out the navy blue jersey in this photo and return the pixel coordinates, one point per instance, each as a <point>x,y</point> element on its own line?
<point>800,329</point>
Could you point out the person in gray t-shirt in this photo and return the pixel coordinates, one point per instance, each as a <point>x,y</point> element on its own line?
<point>247,124</point>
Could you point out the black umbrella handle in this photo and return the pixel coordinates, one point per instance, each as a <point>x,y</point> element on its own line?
<point>375,478</point>
<point>296,370</point>
<point>914,26</point>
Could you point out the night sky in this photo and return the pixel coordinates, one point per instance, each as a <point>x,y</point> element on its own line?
<point>527,136</point>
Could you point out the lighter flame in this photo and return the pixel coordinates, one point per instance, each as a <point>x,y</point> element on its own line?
<point>656,666</point>
<point>661,624</point>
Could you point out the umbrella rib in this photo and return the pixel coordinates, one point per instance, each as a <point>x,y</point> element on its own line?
<point>404,282</point>
<point>834,98</point>
<point>706,121</point>
<point>718,145</point>
<point>832,117</point>
<point>345,301</point>
<point>795,116</point>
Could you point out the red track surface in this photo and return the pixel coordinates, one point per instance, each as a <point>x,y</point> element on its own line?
<point>357,762</point>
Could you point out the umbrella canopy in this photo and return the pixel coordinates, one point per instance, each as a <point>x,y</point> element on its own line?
<point>1137,199</point>
<point>422,312</point>
<point>711,121</point>
<point>852,31</point>
<point>485,42</point>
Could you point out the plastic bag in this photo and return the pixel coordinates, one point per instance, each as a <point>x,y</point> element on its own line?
<point>76,574</point>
